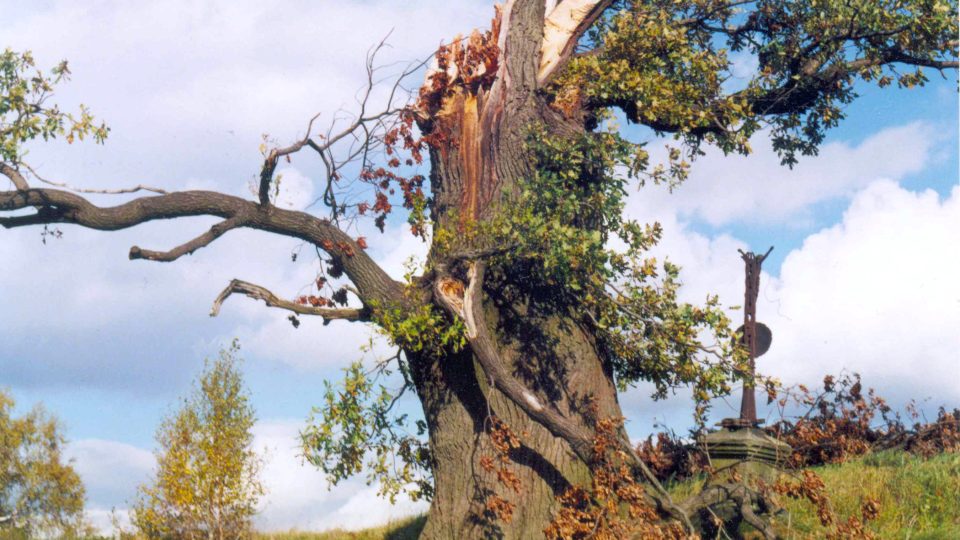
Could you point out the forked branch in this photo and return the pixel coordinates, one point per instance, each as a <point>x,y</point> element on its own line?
<point>261,293</point>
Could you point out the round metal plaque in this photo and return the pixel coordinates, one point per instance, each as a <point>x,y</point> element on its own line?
<point>764,337</point>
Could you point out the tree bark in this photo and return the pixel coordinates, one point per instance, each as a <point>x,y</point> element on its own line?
<point>478,159</point>
<point>558,362</point>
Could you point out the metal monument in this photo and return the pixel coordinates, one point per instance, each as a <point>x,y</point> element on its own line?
<point>756,336</point>
<point>740,443</point>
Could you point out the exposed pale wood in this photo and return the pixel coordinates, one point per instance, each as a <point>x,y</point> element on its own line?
<point>562,28</point>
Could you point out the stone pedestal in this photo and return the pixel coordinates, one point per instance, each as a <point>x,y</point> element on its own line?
<point>741,453</point>
<point>745,448</point>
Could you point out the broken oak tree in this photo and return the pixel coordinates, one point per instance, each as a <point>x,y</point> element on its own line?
<point>525,317</point>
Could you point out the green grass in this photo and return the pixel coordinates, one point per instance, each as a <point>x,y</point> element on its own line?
<point>407,529</point>
<point>919,500</point>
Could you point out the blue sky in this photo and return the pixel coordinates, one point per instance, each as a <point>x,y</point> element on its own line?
<point>862,277</point>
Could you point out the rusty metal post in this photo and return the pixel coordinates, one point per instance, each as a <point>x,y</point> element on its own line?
<point>752,262</point>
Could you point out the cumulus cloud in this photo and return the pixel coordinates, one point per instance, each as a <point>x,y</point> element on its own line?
<point>877,294</point>
<point>188,90</point>
<point>110,471</point>
<point>295,190</point>
<point>298,496</point>
<point>860,288</point>
<point>756,188</point>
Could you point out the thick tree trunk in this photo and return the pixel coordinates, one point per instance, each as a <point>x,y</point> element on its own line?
<point>557,359</point>
<point>479,157</point>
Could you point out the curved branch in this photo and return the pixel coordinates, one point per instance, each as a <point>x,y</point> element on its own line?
<point>57,206</point>
<point>261,293</point>
<point>14,175</point>
<point>188,248</point>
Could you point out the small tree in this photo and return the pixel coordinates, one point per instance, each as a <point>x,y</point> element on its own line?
<point>40,493</point>
<point>207,483</point>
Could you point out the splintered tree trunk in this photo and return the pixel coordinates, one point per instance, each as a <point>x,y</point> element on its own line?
<point>478,130</point>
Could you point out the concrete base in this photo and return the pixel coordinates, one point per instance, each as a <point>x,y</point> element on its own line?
<point>746,448</point>
<point>741,452</point>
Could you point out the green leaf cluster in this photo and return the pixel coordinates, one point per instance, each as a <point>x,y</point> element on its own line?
<point>567,234</point>
<point>669,64</point>
<point>24,115</point>
<point>356,428</point>
<point>422,329</point>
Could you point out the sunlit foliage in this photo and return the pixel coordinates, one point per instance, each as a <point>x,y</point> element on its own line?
<point>24,112</point>
<point>356,428</point>
<point>207,481</point>
<point>40,493</point>
<point>670,64</point>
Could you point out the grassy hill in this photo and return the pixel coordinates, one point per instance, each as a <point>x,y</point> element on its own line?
<point>919,500</point>
<point>408,529</point>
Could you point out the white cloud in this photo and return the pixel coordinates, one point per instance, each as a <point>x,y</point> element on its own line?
<point>726,189</point>
<point>203,81</point>
<point>105,520</point>
<point>188,89</point>
<point>877,294</point>
<point>844,296</point>
<point>295,189</point>
<point>297,496</point>
<point>110,470</point>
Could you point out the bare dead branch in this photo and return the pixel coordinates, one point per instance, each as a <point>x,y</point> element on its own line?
<point>189,247</point>
<point>363,134</point>
<point>261,293</point>
<point>138,187</point>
